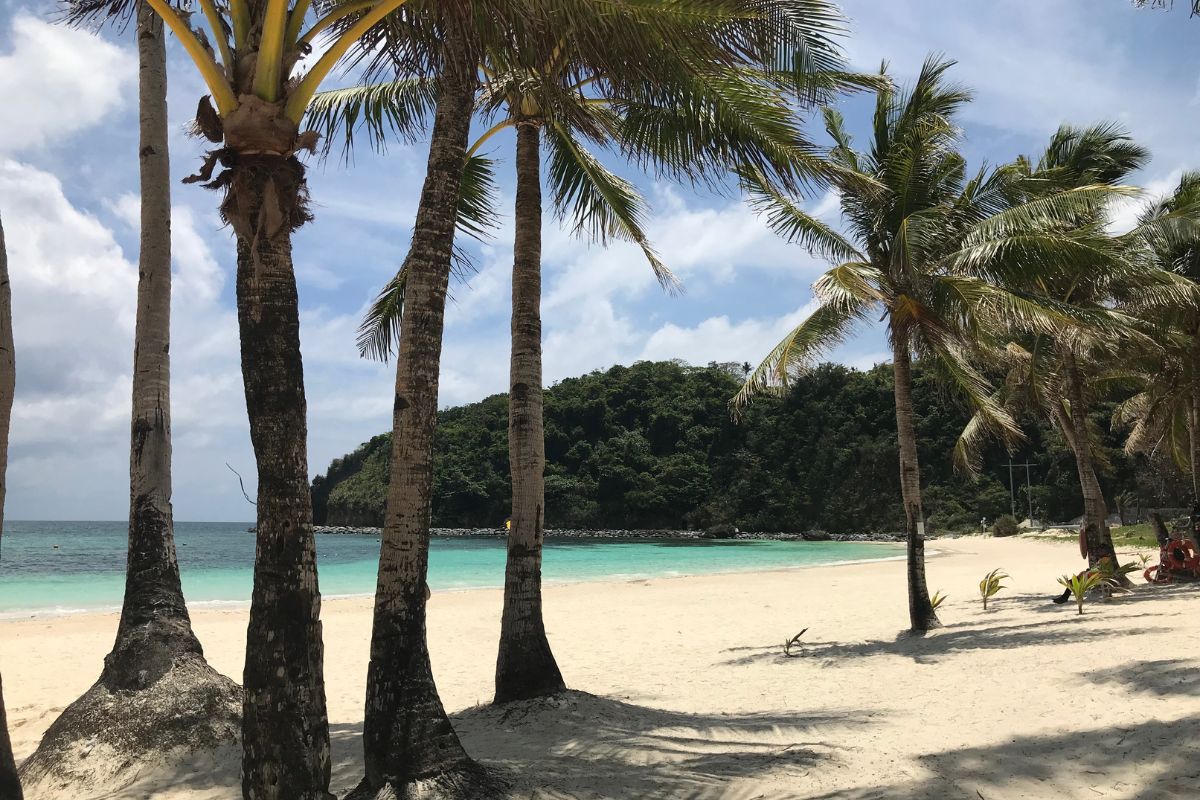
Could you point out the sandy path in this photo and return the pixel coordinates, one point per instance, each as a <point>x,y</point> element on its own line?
<point>695,699</point>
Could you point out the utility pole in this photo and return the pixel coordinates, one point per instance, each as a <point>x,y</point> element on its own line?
<point>1012,495</point>
<point>1012,489</point>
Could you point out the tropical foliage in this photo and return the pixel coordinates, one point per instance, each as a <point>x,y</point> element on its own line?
<point>946,257</point>
<point>652,446</point>
<point>1016,315</point>
<point>1164,416</point>
<point>1122,294</point>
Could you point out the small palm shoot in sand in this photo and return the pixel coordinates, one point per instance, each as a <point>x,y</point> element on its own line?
<point>793,642</point>
<point>937,599</point>
<point>1079,585</point>
<point>991,585</point>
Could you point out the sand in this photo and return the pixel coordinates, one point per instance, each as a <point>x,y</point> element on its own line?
<point>689,695</point>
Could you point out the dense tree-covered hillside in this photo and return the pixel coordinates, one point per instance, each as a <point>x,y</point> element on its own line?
<point>653,446</point>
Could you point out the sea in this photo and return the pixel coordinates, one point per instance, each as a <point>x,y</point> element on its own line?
<point>49,568</point>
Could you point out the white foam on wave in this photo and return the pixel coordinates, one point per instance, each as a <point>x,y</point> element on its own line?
<point>56,611</point>
<point>621,577</point>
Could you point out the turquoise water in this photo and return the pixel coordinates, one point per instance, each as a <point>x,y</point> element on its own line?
<point>63,567</point>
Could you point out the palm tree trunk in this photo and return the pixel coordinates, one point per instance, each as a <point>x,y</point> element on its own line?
<point>1194,439</point>
<point>407,737</point>
<point>921,614</point>
<point>285,729</point>
<point>144,706</point>
<point>10,783</point>
<point>525,666</point>
<point>155,628</point>
<point>1095,508</point>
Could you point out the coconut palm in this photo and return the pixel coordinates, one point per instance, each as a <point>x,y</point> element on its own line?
<point>1166,412</point>
<point>1058,375</point>
<point>407,737</point>
<point>406,734</point>
<point>932,250</point>
<point>253,112</point>
<point>156,670</point>
<point>571,100</point>
<point>10,783</point>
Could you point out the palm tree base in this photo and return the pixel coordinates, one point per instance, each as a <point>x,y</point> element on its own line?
<point>185,721</point>
<point>466,782</point>
<point>931,624</point>
<point>535,678</point>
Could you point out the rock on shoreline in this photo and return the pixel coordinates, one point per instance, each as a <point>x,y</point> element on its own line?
<point>813,536</point>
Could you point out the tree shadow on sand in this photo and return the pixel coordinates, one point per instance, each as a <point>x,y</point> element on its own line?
<point>953,638</point>
<point>1138,598</point>
<point>1150,760</point>
<point>579,746</point>
<point>1167,678</point>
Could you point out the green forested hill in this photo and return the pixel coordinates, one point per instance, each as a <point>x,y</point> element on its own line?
<point>653,446</point>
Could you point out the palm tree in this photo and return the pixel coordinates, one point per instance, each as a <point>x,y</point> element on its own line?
<point>1166,412</point>
<point>254,111</point>
<point>10,783</point>
<point>688,121</point>
<point>1058,374</point>
<point>570,99</point>
<point>407,737</point>
<point>156,670</point>
<point>935,252</point>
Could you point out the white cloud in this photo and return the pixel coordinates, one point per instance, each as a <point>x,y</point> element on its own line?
<point>1125,211</point>
<point>57,81</point>
<point>1032,67</point>
<point>702,246</point>
<point>74,306</point>
<point>719,339</point>
<point>197,276</point>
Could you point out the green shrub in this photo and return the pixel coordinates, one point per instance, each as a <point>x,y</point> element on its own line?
<point>1005,525</point>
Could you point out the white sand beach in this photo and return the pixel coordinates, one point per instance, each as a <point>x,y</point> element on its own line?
<point>689,695</point>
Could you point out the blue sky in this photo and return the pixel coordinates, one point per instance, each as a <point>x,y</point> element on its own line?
<point>68,183</point>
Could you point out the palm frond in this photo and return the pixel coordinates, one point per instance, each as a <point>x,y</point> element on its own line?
<point>379,331</point>
<point>786,218</point>
<point>478,197</point>
<point>849,286</point>
<point>600,204</point>
<point>399,109</point>
<point>822,330</point>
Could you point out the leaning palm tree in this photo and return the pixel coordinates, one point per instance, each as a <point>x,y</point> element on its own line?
<point>1057,376</point>
<point>156,672</point>
<point>409,744</point>
<point>573,99</point>
<point>1165,412</point>
<point>10,783</point>
<point>934,252</point>
<point>253,113</point>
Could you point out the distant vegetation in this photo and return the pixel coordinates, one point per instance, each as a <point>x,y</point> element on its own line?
<point>653,446</point>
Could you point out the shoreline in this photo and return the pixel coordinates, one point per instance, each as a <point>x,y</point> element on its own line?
<point>629,534</point>
<point>21,615</point>
<point>682,686</point>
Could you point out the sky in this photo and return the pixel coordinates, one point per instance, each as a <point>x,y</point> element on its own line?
<point>68,200</point>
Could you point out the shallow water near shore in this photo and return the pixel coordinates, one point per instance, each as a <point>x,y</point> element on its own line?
<point>67,567</point>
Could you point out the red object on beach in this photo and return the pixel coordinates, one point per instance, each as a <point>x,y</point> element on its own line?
<point>1177,559</point>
